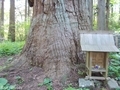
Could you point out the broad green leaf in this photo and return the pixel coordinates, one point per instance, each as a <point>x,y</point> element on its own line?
<point>47,80</point>
<point>6,87</point>
<point>12,87</point>
<point>3,81</point>
<point>115,56</point>
<point>1,86</point>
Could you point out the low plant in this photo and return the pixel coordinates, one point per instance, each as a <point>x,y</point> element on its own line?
<point>19,79</point>
<point>72,88</point>
<point>81,73</point>
<point>114,67</point>
<point>4,85</point>
<point>117,89</point>
<point>47,82</point>
<point>10,48</point>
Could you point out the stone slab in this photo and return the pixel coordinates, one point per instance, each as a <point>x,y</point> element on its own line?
<point>112,84</point>
<point>86,83</point>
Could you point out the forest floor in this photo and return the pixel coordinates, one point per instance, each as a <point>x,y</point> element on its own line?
<point>29,78</point>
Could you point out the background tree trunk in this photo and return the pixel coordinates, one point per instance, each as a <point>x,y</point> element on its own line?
<point>119,12</point>
<point>107,14</point>
<point>101,15</point>
<point>53,41</point>
<point>2,18</point>
<point>26,10</point>
<point>95,13</point>
<point>11,33</point>
<point>90,9</point>
<point>111,13</point>
<point>29,11</point>
<point>26,16</point>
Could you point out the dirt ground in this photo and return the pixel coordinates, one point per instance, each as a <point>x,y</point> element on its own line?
<point>32,76</point>
<point>29,78</point>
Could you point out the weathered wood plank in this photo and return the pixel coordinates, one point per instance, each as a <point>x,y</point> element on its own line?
<point>98,78</point>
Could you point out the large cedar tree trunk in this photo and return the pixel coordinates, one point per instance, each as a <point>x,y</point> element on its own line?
<point>53,40</point>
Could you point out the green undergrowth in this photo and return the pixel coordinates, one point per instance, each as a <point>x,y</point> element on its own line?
<point>47,82</point>
<point>5,85</point>
<point>73,88</point>
<point>10,48</point>
<point>114,66</point>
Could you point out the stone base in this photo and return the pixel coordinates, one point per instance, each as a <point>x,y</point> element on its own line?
<point>113,85</point>
<point>86,83</point>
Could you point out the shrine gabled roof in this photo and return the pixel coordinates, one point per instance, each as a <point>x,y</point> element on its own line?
<point>98,42</point>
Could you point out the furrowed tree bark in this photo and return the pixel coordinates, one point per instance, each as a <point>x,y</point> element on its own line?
<point>53,40</point>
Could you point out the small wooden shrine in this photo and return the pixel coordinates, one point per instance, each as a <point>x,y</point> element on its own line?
<point>97,47</point>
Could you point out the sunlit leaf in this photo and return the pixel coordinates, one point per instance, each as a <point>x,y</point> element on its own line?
<point>3,81</point>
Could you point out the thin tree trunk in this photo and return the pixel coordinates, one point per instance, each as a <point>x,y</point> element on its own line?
<point>90,8</point>
<point>53,41</point>
<point>101,15</point>
<point>95,10</point>
<point>107,14</point>
<point>26,17</point>
<point>11,33</point>
<point>2,18</point>
<point>25,10</point>
<point>111,14</point>
<point>119,12</point>
<point>29,11</point>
